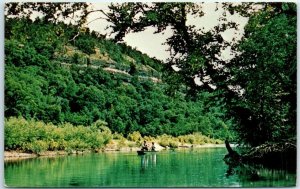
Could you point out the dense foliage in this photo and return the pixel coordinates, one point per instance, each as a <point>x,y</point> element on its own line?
<point>49,79</point>
<point>258,85</point>
<point>36,136</point>
<point>266,70</point>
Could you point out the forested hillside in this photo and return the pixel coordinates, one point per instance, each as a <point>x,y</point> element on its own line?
<point>60,74</point>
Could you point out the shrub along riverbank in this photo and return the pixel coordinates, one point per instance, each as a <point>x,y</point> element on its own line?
<point>36,137</point>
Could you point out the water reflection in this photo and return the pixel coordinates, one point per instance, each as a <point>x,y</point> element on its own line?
<point>148,160</point>
<point>197,168</point>
<point>255,175</point>
<point>247,172</point>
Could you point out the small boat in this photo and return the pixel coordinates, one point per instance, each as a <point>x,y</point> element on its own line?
<point>143,152</point>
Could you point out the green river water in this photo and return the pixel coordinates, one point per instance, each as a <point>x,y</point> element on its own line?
<point>184,168</point>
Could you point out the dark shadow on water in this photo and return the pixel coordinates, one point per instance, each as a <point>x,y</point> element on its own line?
<point>245,172</point>
<point>253,173</point>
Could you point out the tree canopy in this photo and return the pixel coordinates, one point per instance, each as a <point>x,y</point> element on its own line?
<point>259,84</point>
<point>192,50</point>
<point>266,71</point>
<point>75,13</point>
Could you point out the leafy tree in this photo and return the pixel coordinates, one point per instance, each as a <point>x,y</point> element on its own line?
<point>133,69</point>
<point>52,12</point>
<point>193,51</point>
<point>75,58</point>
<point>266,72</point>
<point>86,45</point>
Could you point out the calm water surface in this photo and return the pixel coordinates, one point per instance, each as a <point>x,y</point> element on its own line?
<point>188,168</point>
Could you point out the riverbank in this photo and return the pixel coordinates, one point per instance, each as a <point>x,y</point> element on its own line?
<point>37,137</point>
<point>30,138</point>
<point>113,147</point>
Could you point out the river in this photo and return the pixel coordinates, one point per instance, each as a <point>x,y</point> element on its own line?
<point>185,168</point>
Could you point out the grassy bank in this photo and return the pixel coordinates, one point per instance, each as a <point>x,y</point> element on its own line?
<point>37,137</point>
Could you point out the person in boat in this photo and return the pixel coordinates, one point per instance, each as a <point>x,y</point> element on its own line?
<point>153,147</point>
<point>145,146</point>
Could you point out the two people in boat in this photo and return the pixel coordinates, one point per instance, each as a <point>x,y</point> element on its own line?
<point>146,147</point>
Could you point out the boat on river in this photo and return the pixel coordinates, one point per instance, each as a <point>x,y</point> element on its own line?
<point>143,152</point>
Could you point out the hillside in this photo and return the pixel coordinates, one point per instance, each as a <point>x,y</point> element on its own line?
<point>55,77</point>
